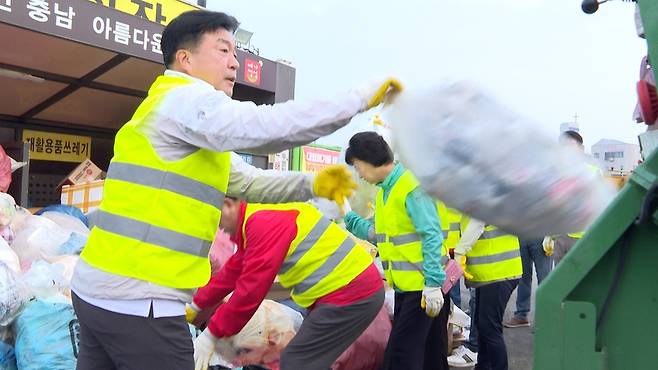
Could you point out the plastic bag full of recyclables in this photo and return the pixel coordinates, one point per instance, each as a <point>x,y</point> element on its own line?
<point>479,157</point>
<point>264,337</point>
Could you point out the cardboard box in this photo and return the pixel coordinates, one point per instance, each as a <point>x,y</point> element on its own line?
<point>86,196</point>
<point>85,172</point>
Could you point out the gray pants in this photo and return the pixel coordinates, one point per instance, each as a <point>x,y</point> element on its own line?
<point>110,340</point>
<point>328,331</point>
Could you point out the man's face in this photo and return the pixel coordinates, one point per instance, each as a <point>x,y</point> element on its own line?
<point>214,60</point>
<point>230,212</point>
<point>366,171</point>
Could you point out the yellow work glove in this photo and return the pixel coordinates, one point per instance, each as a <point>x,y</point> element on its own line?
<point>335,183</point>
<point>549,244</point>
<point>461,259</point>
<point>377,91</point>
<point>191,311</point>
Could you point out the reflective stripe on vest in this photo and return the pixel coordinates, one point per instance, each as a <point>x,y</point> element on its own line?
<point>158,218</point>
<point>306,244</point>
<point>152,234</point>
<point>176,183</point>
<point>328,266</point>
<point>408,266</point>
<point>321,259</point>
<point>492,234</point>
<point>404,239</point>
<point>495,256</point>
<point>499,257</point>
<point>398,240</point>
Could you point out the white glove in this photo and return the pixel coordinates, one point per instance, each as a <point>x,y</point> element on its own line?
<point>376,92</point>
<point>204,348</point>
<point>432,301</point>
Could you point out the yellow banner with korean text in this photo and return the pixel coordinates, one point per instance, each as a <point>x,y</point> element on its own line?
<point>157,11</point>
<point>52,146</point>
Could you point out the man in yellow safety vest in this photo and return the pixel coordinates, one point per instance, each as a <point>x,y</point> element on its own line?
<point>165,186</point>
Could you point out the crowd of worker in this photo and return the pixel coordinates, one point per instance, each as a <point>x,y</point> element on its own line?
<point>173,180</point>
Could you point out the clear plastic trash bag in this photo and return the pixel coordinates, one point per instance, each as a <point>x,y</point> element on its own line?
<point>38,238</point>
<point>479,157</point>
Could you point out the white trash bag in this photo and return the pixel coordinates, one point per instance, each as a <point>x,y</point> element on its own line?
<point>13,295</point>
<point>264,337</point>
<point>477,156</point>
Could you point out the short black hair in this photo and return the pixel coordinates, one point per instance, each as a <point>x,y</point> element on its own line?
<point>369,147</point>
<point>573,135</point>
<point>186,30</point>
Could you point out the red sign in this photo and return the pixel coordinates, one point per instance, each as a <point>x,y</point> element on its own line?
<point>252,71</point>
<point>315,159</point>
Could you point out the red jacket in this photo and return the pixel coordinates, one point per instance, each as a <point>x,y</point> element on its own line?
<point>250,272</point>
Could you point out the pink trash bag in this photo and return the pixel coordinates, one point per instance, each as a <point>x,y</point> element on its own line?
<point>5,171</point>
<point>221,250</point>
<point>367,352</point>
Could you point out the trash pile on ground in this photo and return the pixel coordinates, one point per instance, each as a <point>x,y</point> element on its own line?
<point>38,327</point>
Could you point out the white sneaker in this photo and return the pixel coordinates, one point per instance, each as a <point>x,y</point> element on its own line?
<point>463,357</point>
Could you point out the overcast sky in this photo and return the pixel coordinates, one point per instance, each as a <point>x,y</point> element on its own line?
<point>544,58</point>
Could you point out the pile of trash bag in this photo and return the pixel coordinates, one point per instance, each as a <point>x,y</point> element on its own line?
<point>479,157</point>
<point>38,253</point>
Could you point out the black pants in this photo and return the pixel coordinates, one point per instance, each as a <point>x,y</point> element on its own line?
<point>417,341</point>
<point>490,303</point>
<point>110,340</point>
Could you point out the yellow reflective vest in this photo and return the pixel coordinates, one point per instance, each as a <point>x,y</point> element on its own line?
<point>450,225</point>
<point>158,218</point>
<point>399,244</point>
<point>494,257</point>
<point>321,259</point>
